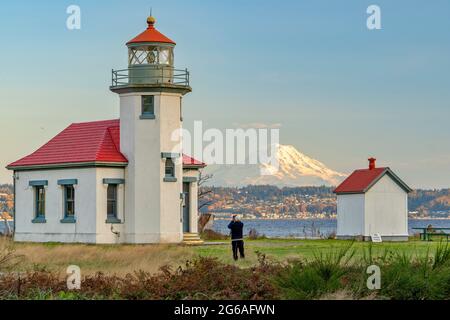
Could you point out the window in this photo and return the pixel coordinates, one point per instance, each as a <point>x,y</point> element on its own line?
<point>165,56</point>
<point>148,107</point>
<point>112,201</point>
<point>40,201</point>
<point>69,201</point>
<point>170,168</point>
<point>150,55</point>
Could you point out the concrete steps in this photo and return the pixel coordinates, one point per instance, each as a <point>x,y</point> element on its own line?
<point>192,239</point>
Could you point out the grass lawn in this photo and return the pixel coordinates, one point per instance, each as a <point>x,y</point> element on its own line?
<point>122,259</point>
<point>284,249</point>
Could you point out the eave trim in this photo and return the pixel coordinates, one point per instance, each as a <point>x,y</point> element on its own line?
<point>394,177</point>
<point>67,182</point>
<point>67,165</point>
<point>113,181</point>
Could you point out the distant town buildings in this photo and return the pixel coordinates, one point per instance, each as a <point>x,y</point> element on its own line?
<point>6,202</point>
<point>269,202</point>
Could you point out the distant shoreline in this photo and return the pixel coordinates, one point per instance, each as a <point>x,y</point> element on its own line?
<point>325,219</point>
<point>305,219</point>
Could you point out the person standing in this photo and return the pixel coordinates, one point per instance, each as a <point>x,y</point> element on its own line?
<point>237,239</point>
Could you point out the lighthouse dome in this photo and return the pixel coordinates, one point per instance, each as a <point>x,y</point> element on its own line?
<point>150,35</point>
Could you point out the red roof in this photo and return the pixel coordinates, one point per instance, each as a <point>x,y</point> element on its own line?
<point>360,181</point>
<point>95,142</point>
<point>191,162</point>
<point>151,35</point>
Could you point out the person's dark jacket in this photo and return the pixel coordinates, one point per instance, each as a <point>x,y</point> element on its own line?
<point>236,228</point>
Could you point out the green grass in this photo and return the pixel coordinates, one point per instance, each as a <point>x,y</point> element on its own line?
<point>285,249</point>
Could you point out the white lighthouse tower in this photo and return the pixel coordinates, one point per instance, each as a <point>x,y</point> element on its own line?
<point>150,92</point>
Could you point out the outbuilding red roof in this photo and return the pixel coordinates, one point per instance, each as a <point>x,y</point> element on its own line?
<point>96,142</point>
<point>360,181</point>
<point>151,35</point>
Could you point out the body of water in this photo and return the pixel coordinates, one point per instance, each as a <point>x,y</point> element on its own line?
<point>310,228</point>
<point>3,226</point>
<point>300,228</point>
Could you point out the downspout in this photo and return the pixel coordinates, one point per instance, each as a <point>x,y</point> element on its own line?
<point>14,204</point>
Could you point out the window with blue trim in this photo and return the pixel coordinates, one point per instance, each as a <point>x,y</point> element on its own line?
<point>111,206</point>
<point>40,201</point>
<point>170,168</point>
<point>148,107</point>
<point>69,201</point>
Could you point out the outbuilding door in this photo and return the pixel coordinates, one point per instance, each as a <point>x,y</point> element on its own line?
<point>186,215</point>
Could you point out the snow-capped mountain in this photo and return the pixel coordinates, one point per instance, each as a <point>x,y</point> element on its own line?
<point>294,169</point>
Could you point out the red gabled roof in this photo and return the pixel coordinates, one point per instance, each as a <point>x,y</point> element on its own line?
<point>191,162</point>
<point>150,35</point>
<point>95,142</point>
<point>360,181</point>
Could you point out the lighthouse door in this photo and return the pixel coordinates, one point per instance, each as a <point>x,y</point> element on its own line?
<point>186,215</point>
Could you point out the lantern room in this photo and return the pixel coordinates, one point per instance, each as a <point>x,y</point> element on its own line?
<point>150,48</point>
<point>150,62</point>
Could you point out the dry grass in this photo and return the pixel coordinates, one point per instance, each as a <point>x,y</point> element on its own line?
<point>123,259</point>
<point>346,294</point>
<point>339,295</point>
<point>111,259</point>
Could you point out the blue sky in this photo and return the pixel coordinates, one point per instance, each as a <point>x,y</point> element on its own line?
<point>340,92</point>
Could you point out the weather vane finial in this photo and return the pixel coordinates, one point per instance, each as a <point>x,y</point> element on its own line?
<point>150,20</point>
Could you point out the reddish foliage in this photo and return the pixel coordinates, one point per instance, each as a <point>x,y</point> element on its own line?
<point>203,278</point>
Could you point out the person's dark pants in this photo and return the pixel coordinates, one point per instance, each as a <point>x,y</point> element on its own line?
<point>238,246</point>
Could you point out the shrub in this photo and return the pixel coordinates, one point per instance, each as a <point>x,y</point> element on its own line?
<point>253,234</point>
<point>418,277</point>
<point>201,278</point>
<point>8,258</point>
<point>311,279</point>
<point>209,234</point>
<point>441,256</point>
<point>331,235</point>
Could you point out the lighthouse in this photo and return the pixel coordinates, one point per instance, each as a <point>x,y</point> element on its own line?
<point>121,180</point>
<point>150,92</point>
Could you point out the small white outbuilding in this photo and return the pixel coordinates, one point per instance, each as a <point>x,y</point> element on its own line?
<point>372,201</point>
